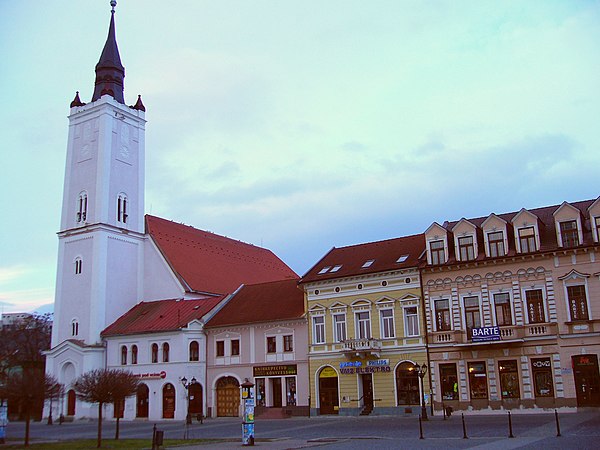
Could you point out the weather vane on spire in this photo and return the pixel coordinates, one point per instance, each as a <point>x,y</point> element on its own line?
<point>113,3</point>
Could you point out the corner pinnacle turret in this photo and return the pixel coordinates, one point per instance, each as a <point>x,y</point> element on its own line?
<point>110,73</point>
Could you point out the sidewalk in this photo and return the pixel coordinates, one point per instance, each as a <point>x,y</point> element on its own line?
<point>274,444</point>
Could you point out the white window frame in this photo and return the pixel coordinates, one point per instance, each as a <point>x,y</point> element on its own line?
<point>320,325</point>
<point>357,327</point>
<point>464,309</point>
<point>382,322</point>
<point>510,302</point>
<point>336,336</point>
<point>577,225</point>
<point>444,242</point>
<point>473,245</point>
<point>579,282</point>
<point>536,238</point>
<point>405,316</point>
<point>488,247</point>
<point>434,313</point>
<point>534,287</point>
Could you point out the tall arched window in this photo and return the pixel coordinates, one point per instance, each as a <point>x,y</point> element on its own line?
<point>134,354</point>
<point>122,208</point>
<point>165,352</point>
<point>124,355</point>
<point>154,353</point>
<point>74,327</point>
<point>194,351</point>
<point>82,207</point>
<point>78,265</point>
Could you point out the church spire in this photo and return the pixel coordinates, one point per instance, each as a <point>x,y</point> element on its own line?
<point>110,73</point>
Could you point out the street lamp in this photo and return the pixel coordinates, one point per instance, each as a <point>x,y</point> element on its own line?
<point>421,371</point>
<point>186,385</point>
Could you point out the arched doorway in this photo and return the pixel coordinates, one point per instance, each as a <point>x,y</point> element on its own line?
<point>195,393</point>
<point>228,397</point>
<point>168,401</point>
<point>328,391</point>
<point>141,409</point>
<point>407,384</point>
<point>71,401</point>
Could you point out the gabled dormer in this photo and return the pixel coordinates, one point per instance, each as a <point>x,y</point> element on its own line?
<point>436,238</point>
<point>527,232</point>
<point>567,220</point>
<point>594,214</point>
<point>465,240</point>
<point>495,236</point>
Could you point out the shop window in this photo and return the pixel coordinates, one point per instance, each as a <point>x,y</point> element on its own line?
<point>534,302</point>
<point>466,248</point>
<point>290,388</point>
<point>577,302</point>
<point>288,343</point>
<point>407,384</point>
<point>318,330</point>
<point>220,348</point>
<point>436,249</point>
<point>411,321</point>
<point>194,351</point>
<point>235,347</point>
<point>478,380</point>
<point>123,355</point>
<point>472,315</point>
<point>503,309</point>
<point>134,354</point>
<point>165,352</point>
<point>496,244</point>
<point>154,352</point>
<point>527,239</point>
<point>569,233</point>
<point>339,327</point>
<point>386,316</point>
<point>271,344</point>
<point>449,381</point>
<point>541,369</point>
<point>442,315</point>
<point>363,325</point>
<point>509,379</point>
<point>260,392</point>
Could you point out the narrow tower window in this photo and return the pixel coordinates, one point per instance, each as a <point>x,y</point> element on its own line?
<point>78,265</point>
<point>82,207</point>
<point>122,208</point>
<point>74,327</point>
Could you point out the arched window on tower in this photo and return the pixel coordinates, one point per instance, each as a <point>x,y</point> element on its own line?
<point>82,207</point>
<point>74,327</point>
<point>122,208</point>
<point>165,352</point>
<point>134,352</point>
<point>78,265</point>
<point>123,355</point>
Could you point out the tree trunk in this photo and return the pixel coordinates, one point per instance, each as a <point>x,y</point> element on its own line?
<point>117,405</point>
<point>99,425</point>
<point>27,419</point>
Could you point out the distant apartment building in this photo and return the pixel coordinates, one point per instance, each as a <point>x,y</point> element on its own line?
<point>512,307</point>
<point>366,335</point>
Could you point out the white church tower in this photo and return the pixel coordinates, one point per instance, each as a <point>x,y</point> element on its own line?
<point>101,237</point>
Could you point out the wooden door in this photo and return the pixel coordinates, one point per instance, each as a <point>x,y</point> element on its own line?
<point>168,401</point>
<point>228,397</point>
<point>141,409</point>
<point>367,384</point>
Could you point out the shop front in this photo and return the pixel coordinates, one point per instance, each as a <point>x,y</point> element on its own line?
<point>276,387</point>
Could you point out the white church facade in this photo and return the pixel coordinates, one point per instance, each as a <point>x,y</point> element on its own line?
<point>134,291</point>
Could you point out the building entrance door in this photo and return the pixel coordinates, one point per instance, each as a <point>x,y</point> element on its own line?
<point>168,401</point>
<point>276,391</point>
<point>367,387</point>
<point>328,391</point>
<point>71,403</point>
<point>195,394</point>
<point>587,380</point>
<point>141,409</point>
<point>228,397</point>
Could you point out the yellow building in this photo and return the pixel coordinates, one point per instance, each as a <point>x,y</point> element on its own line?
<point>366,333</point>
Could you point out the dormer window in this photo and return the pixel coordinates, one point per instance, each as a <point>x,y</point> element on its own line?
<point>527,239</point>
<point>466,248</point>
<point>569,233</point>
<point>597,227</point>
<point>438,255</point>
<point>496,244</point>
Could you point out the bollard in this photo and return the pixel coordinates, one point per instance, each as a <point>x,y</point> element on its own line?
<point>557,423</point>
<point>154,437</point>
<point>420,428</point>
<point>510,433</point>
<point>464,427</point>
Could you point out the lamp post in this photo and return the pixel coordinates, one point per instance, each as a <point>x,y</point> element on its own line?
<point>421,371</point>
<point>186,385</point>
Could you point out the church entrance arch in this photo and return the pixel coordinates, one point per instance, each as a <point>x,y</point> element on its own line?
<point>228,397</point>
<point>328,391</point>
<point>168,394</point>
<point>141,404</point>
<point>407,384</point>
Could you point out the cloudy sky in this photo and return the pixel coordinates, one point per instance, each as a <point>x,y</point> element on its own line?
<point>303,125</point>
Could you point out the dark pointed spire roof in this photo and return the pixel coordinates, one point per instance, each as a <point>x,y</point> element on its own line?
<point>139,105</point>
<point>77,101</point>
<point>110,73</point>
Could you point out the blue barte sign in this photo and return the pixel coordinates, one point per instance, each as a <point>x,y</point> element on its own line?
<point>484,334</point>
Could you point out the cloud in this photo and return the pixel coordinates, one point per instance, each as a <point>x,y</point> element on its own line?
<point>10,274</point>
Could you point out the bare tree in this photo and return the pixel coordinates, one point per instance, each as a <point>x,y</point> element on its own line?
<point>104,386</point>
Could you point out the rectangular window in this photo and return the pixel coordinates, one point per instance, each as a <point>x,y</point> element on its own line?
<point>220,348</point>
<point>235,347</point>
<point>437,252</point>
<point>541,369</point>
<point>363,325</point>
<point>411,321</point>
<point>449,381</point>
<point>319,330</point>
<point>339,327</point>
<point>496,244</point>
<point>261,399</point>
<point>569,233</point>
<point>503,309</point>
<point>534,301</point>
<point>509,379</point>
<point>442,315</point>
<point>478,380</point>
<point>527,239</point>
<point>290,390</point>
<point>288,343</point>
<point>597,224</point>
<point>271,344</point>
<point>472,316</point>
<point>387,323</point>
<point>577,302</point>
<point>466,248</point>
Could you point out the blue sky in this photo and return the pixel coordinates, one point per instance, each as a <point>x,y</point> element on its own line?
<point>301,126</point>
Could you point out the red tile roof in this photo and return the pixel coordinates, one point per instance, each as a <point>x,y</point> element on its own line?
<point>207,262</point>
<point>264,302</point>
<point>384,254</point>
<point>161,315</point>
